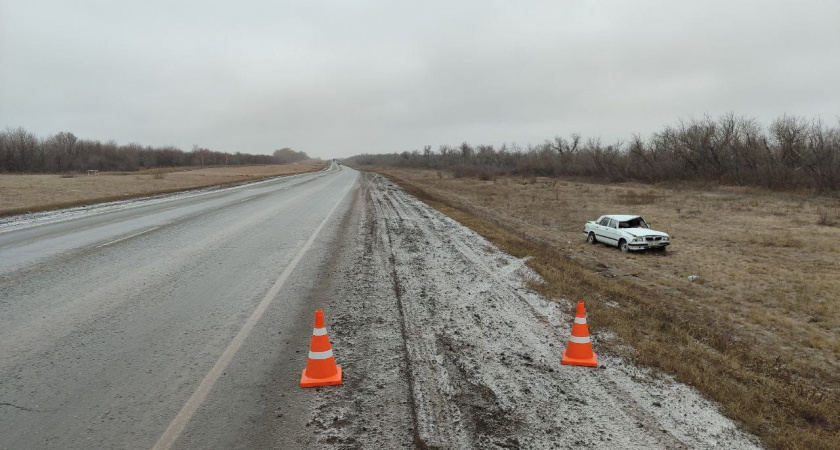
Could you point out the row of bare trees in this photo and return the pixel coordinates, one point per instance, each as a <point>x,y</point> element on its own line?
<point>286,156</point>
<point>792,153</point>
<point>23,151</point>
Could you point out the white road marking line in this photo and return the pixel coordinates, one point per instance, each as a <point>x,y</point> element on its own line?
<point>180,422</point>
<point>244,200</point>
<point>127,237</point>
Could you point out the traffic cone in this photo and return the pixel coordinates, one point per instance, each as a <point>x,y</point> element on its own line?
<point>579,351</point>
<point>321,369</point>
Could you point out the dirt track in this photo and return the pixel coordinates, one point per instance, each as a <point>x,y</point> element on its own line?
<point>444,347</point>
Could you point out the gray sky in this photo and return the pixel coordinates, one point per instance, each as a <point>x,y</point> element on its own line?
<point>345,77</point>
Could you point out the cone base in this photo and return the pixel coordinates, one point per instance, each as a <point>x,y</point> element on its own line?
<point>334,380</point>
<point>586,362</point>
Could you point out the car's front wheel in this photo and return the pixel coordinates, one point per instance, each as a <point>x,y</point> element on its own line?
<point>624,246</point>
<point>591,239</point>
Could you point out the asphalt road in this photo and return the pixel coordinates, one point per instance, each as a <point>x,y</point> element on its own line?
<point>169,323</point>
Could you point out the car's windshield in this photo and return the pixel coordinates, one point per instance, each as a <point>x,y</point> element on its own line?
<point>638,222</point>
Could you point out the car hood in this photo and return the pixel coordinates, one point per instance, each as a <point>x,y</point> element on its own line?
<point>639,232</point>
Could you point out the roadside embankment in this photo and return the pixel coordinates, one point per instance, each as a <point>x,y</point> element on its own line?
<point>758,332</point>
<point>444,346</point>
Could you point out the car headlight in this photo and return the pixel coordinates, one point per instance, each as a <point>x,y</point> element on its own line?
<point>637,239</point>
<point>665,238</point>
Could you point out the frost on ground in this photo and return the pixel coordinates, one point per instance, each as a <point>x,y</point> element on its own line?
<point>445,347</point>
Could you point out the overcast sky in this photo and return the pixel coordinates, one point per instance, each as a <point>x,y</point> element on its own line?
<point>340,78</point>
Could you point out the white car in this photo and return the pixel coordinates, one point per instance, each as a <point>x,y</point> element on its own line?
<point>625,232</point>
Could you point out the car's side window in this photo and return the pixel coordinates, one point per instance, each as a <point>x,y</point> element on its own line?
<point>613,223</point>
<point>604,222</point>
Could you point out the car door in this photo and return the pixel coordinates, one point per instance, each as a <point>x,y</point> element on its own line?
<point>611,232</point>
<point>602,231</point>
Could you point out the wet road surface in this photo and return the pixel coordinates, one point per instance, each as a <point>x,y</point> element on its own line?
<point>109,323</point>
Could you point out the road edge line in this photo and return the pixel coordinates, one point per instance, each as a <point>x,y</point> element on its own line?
<point>127,237</point>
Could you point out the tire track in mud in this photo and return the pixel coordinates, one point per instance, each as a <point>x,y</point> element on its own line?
<point>372,408</point>
<point>419,443</point>
<point>435,419</point>
<point>475,412</point>
<point>483,417</point>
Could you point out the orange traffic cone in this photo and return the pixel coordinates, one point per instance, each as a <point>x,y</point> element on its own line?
<point>321,369</point>
<point>579,352</point>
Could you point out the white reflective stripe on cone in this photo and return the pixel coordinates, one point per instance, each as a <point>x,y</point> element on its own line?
<point>574,339</point>
<point>319,332</point>
<point>580,319</point>
<point>321,355</point>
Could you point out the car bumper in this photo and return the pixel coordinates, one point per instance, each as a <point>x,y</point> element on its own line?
<point>647,245</point>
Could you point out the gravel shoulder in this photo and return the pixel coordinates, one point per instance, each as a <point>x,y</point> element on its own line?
<point>444,346</point>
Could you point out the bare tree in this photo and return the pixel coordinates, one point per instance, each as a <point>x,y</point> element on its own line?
<point>793,153</point>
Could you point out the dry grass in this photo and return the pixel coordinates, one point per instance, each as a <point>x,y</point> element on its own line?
<point>829,218</point>
<point>758,332</point>
<point>29,193</point>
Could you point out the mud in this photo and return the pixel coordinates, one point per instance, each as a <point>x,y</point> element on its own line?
<point>444,347</point>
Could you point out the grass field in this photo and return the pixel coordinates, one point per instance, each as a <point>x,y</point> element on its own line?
<point>30,193</point>
<point>757,332</point>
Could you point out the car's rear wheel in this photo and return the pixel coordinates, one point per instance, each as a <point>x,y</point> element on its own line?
<point>624,246</point>
<point>591,239</point>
